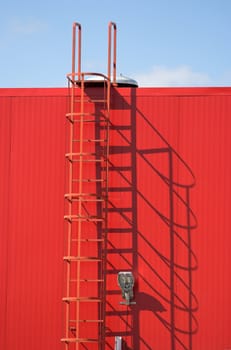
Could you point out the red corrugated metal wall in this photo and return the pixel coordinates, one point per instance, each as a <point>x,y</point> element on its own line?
<point>32,186</point>
<point>174,236</point>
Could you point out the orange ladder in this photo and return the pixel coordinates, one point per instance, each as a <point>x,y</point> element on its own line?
<point>87,202</point>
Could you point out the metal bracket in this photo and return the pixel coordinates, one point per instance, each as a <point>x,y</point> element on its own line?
<point>126,283</point>
<point>118,343</point>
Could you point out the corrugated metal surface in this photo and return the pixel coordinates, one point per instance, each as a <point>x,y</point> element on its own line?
<point>160,139</point>
<point>5,152</point>
<point>33,206</point>
<point>208,118</point>
<point>147,241</point>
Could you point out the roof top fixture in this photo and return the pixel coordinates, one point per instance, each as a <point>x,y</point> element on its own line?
<point>120,81</point>
<point>126,283</point>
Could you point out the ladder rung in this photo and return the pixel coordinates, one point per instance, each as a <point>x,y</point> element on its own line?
<point>90,140</point>
<point>99,101</point>
<point>88,240</point>
<point>75,321</point>
<point>83,154</point>
<point>76,197</point>
<point>92,101</point>
<point>82,258</point>
<point>96,121</point>
<point>86,160</point>
<point>70,116</point>
<point>73,114</point>
<point>82,299</point>
<point>89,180</point>
<point>89,121</point>
<point>83,218</point>
<point>92,280</point>
<point>80,340</point>
<point>87,280</point>
<point>85,194</point>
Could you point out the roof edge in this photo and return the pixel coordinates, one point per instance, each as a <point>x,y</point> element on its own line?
<point>139,91</point>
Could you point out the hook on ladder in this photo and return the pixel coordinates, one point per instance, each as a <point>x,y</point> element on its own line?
<point>111,27</point>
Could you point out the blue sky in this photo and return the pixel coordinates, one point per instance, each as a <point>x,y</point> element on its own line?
<point>160,43</point>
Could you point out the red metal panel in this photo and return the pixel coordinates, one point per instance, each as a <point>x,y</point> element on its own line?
<point>5,154</point>
<point>208,118</point>
<point>145,216</point>
<point>33,317</point>
<point>159,139</point>
<point>191,126</point>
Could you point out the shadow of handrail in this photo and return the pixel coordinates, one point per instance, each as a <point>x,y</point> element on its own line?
<point>129,257</point>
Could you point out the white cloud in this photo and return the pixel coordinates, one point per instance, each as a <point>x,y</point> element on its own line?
<point>178,76</point>
<point>27,26</point>
<point>226,78</point>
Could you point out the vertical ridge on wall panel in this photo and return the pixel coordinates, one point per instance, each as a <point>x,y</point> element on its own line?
<point>5,195</point>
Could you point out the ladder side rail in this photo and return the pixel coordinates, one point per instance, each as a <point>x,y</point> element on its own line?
<point>105,230</point>
<point>75,26</point>
<point>110,26</point>
<point>80,207</point>
<point>70,189</point>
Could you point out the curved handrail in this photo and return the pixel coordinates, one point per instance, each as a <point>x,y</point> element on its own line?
<point>76,25</point>
<point>110,26</point>
<point>81,76</point>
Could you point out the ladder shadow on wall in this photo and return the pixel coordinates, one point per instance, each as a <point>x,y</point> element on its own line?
<point>149,233</point>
